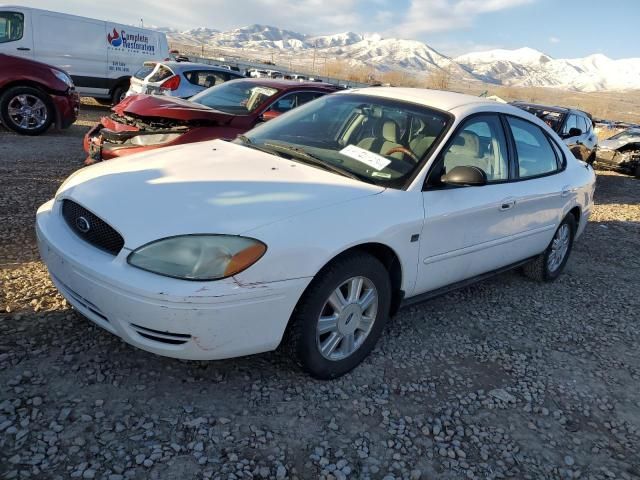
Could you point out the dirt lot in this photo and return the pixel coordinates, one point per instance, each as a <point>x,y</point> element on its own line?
<point>506,379</point>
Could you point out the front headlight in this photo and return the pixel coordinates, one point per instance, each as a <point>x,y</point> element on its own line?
<point>153,139</point>
<point>63,77</point>
<point>198,257</point>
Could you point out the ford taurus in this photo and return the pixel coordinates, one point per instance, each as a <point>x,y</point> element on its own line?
<point>312,229</point>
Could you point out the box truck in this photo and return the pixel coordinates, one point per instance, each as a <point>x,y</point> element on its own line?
<point>99,55</point>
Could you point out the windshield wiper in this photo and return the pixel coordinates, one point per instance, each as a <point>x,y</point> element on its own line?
<point>246,141</point>
<point>298,153</point>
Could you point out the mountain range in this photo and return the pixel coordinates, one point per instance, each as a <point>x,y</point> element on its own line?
<point>524,67</point>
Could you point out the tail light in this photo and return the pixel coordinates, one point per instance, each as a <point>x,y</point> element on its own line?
<point>171,83</point>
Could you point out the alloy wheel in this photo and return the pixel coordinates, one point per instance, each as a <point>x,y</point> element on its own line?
<point>347,318</point>
<point>559,247</point>
<point>27,111</point>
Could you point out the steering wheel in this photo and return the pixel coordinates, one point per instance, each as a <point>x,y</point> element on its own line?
<point>404,150</point>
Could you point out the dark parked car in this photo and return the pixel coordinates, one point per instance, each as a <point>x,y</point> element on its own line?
<point>34,95</point>
<point>575,127</point>
<point>145,122</point>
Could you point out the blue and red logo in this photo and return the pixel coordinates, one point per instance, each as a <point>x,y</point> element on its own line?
<point>115,40</point>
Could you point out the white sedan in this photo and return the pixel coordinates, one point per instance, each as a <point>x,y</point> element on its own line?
<point>314,228</point>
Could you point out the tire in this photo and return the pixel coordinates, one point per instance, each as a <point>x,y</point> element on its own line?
<point>542,268</point>
<point>26,110</point>
<point>303,341</point>
<point>118,94</point>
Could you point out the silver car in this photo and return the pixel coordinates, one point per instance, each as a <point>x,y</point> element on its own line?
<point>178,79</point>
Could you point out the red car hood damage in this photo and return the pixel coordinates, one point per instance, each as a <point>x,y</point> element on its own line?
<point>145,106</point>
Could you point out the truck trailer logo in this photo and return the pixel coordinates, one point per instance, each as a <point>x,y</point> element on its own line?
<point>136,42</point>
<point>115,40</point>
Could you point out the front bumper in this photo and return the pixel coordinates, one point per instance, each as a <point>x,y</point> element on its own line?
<point>625,162</point>
<point>67,108</point>
<point>174,318</point>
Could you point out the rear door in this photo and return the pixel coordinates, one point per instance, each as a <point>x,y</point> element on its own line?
<point>469,230</point>
<point>16,34</point>
<point>542,187</point>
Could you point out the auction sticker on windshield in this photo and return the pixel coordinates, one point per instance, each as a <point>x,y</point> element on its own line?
<point>370,159</point>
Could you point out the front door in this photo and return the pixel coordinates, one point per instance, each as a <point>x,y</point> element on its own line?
<point>16,36</point>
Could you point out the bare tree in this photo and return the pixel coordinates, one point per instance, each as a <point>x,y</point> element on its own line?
<point>440,79</point>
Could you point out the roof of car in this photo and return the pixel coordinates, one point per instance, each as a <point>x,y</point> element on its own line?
<point>551,108</point>
<point>439,99</point>
<point>180,66</point>
<point>291,84</point>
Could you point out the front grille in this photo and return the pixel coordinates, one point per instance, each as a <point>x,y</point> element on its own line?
<point>91,228</point>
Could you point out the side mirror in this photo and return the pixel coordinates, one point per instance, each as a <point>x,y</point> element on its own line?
<point>574,132</point>
<point>465,176</point>
<point>269,115</point>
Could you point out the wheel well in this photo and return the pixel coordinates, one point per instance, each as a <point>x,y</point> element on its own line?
<point>575,211</point>
<point>391,262</point>
<point>24,83</point>
<point>121,82</point>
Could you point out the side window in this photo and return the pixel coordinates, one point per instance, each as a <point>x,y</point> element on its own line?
<point>304,97</point>
<point>572,122</point>
<point>293,100</point>
<point>480,143</point>
<point>582,124</point>
<point>11,26</point>
<point>205,78</point>
<point>536,156</point>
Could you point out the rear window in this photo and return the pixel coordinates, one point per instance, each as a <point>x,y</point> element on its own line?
<point>11,26</point>
<point>162,73</point>
<point>144,71</point>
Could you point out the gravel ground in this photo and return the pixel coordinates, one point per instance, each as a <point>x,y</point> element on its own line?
<point>506,379</point>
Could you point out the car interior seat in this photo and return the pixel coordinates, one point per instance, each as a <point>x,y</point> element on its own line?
<point>465,151</point>
<point>385,141</point>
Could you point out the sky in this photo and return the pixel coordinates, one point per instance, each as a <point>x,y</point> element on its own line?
<point>560,28</point>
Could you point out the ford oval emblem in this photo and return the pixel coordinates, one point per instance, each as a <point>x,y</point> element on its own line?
<point>83,224</point>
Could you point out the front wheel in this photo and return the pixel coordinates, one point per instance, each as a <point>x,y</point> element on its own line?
<point>26,110</point>
<point>119,94</point>
<point>340,317</point>
<point>548,266</point>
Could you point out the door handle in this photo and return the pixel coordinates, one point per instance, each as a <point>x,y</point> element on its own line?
<point>507,204</point>
<point>23,49</point>
<point>566,190</point>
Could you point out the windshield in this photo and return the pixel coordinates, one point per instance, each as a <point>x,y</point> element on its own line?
<point>377,140</point>
<point>550,117</point>
<point>237,97</point>
<point>626,135</point>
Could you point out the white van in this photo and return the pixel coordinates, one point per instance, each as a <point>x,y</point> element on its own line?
<point>100,56</point>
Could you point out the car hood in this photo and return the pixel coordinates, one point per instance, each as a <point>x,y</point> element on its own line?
<point>208,187</point>
<point>615,144</point>
<point>169,107</point>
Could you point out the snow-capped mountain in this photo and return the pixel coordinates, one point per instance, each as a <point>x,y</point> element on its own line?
<point>531,68</point>
<point>391,53</point>
<point>521,67</point>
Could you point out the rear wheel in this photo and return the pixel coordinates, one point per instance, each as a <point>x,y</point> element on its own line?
<point>340,317</point>
<point>26,110</point>
<point>548,266</point>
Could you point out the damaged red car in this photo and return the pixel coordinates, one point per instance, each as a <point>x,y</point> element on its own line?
<point>144,122</point>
